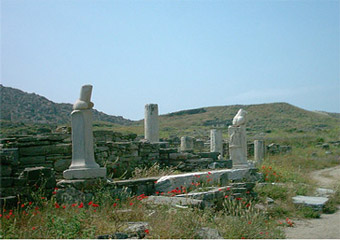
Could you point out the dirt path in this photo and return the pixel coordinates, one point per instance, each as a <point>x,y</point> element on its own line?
<point>328,225</point>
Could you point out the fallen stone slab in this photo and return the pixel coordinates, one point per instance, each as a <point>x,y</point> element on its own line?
<point>324,192</point>
<point>176,201</point>
<point>208,233</point>
<point>210,195</point>
<point>316,203</point>
<point>223,177</point>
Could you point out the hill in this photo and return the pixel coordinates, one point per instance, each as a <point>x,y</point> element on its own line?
<point>268,119</point>
<point>21,107</point>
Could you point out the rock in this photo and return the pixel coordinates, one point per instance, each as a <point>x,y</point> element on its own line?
<point>116,235</point>
<point>325,146</point>
<point>328,153</point>
<point>213,155</point>
<point>208,233</point>
<point>5,170</point>
<point>9,156</point>
<point>8,202</point>
<point>70,195</point>
<point>324,192</point>
<point>316,203</point>
<point>175,201</point>
<point>62,164</point>
<point>46,150</point>
<point>137,228</point>
<point>269,200</point>
<point>41,176</point>
<point>223,177</point>
<point>32,160</point>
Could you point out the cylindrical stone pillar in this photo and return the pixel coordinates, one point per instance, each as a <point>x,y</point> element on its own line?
<point>258,151</point>
<point>151,125</point>
<point>216,142</point>
<point>187,144</point>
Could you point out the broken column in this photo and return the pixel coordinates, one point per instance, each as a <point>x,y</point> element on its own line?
<point>238,142</point>
<point>187,144</point>
<point>258,151</point>
<point>151,125</point>
<point>83,165</point>
<point>216,141</point>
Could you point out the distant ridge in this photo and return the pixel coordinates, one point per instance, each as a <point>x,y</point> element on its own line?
<point>20,106</point>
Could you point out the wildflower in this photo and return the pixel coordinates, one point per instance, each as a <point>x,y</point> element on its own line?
<point>57,205</point>
<point>157,193</point>
<point>162,193</point>
<point>247,192</point>
<point>147,231</point>
<point>74,204</point>
<point>33,228</point>
<point>220,189</point>
<point>243,238</point>
<point>8,216</point>
<point>54,192</point>
<point>228,188</point>
<point>131,203</point>
<point>43,198</point>
<point>95,205</point>
<point>248,205</point>
<point>226,196</point>
<point>266,179</point>
<point>117,199</point>
<point>22,205</point>
<point>155,181</point>
<point>90,203</point>
<point>95,210</point>
<point>249,222</point>
<point>280,222</point>
<point>81,205</point>
<point>261,232</point>
<point>0,215</point>
<point>263,167</point>
<point>56,188</point>
<point>64,207</point>
<point>238,199</point>
<point>36,208</point>
<point>209,173</point>
<point>115,204</point>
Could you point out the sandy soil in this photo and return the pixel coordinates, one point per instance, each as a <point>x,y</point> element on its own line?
<point>328,226</point>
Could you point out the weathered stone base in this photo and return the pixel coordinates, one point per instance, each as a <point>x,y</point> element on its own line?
<point>85,173</point>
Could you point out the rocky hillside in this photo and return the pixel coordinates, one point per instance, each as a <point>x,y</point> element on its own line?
<point>19,106</point>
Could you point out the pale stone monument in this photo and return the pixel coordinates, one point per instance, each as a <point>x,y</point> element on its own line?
<point>187,144</point>
<point>151,124</point>
<point>259,151</point>
<point>83,165</point>
<point>216,141</point>
<point>238,142</point>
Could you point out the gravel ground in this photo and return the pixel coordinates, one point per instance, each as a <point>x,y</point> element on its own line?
<point>328,225</point>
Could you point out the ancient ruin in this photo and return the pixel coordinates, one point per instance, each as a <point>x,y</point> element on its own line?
<point>83,164</point>
<point>238,142</point>
<point>151,124</point>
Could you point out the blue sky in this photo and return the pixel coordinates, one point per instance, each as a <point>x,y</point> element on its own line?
<point>179,54</point>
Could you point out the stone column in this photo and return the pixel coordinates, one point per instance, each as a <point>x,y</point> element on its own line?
<point>238,142</point>
<point>151,124</point>
<point>216,142</point>
<point>259,151</point>
<point>83,165</point>
<point>187,144</point>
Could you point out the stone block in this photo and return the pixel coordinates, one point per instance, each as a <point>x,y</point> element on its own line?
<point>6,182</point>
<point>46,150</point>
<point>8,202</point>
<point>5,170</point>
<point>316,203</point>
<point>175,201</point>
<point>62,164</point>
<point>85,173</point>
<point>80,184</point>
<point>41,176</point>
<point>213,155</point>
<point>9,156</point>
<point>208,233</point>
<point>32,160</point>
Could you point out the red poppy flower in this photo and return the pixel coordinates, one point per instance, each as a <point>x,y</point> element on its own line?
<point>54,192</point>
<point>147,231</point>
<point>131,203</point>
<point>22,205</point>
<point>42,197</point>
<point>90,203</point>
<point>226,196</point>
<point>74,204</point>
<point>157,193</point>
<point>64,207</point>
<point>115,204</point>
<point>57,205</point>
<point>95,205</point>
<point>81,205</point>
<point>33,228</point>
<point>36,208</point>
<point>249,222</point>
